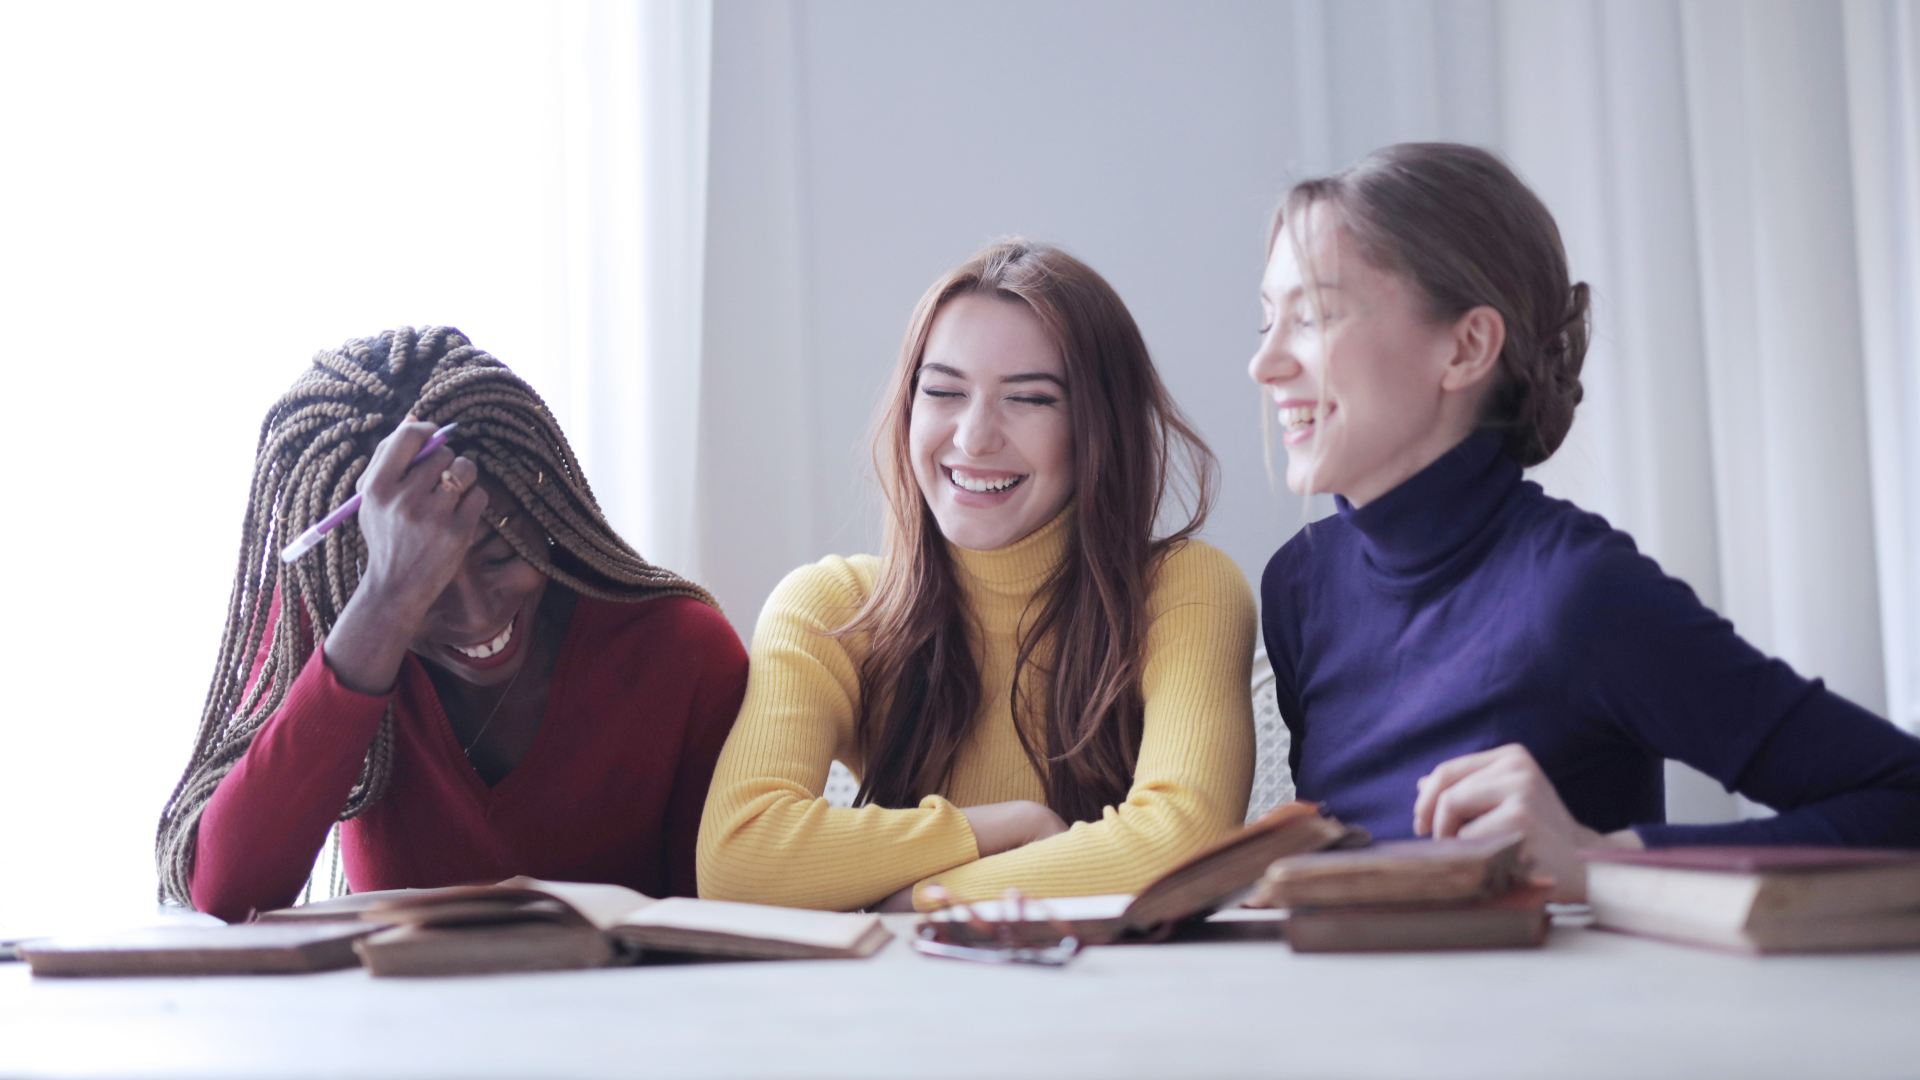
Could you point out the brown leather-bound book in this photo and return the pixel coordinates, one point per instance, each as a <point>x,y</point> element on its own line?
<point>1453,870</point>
<point>523,924</point>
<point>1513,919</point>
<point>199,950</point>
<point>472,949</point>
<point>1760,899</point>
<point>1194,888</point>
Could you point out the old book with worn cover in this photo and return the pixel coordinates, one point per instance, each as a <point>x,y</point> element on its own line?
<point>199,950</point>
<point>1514,919</point>
<point>523,924</point>
<point>1397,872</point>
<point>1190,890</point>
<point>1760,899</point>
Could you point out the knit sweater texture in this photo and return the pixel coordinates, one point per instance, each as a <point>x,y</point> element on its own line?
<point>610,791</point>
<point>1466,609</point>
<point>769,837</point>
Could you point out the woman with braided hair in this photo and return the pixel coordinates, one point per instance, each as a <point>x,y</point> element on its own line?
<point>476,677</point>
<point>1455,652</point>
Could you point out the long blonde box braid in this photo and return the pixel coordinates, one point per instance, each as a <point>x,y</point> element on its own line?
<point>314,444</point>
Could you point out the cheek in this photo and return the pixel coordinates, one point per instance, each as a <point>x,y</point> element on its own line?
<point>1048,446</point>
<point>520,582</point>
<point>1369,382</point>
<point>924,438</point>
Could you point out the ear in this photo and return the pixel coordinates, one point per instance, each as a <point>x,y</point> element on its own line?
<point>1478,337</point>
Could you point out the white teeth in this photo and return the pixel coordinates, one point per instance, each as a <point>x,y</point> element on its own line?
<point>487,648</point>
<point>1295,417</point>
<point>984,486</point>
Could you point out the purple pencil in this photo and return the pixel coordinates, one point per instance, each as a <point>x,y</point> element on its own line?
<point>318,531</point>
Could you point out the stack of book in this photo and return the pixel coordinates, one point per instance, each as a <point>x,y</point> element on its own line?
<point>1760,899</point>
<point>1408,895</point>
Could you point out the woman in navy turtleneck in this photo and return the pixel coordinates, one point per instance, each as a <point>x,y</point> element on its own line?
<point>1457,653</point>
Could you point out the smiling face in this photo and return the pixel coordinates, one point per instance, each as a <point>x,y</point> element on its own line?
<point>480,627</point>
<point>989,434</point>
<point>1368,388</point>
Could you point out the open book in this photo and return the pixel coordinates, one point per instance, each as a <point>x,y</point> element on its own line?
<point>524,924</point>
<point>1192,889</point>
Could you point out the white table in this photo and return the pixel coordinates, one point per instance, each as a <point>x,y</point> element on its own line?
<point>1591,1004</point>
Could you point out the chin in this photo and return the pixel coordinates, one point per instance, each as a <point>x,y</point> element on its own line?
<point>979,538</point>
<point>966,529</point>
<point>1299,476</point>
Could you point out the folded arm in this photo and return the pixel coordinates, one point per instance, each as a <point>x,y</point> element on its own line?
<point>767,836</point>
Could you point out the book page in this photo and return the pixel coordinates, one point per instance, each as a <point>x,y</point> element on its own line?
<point>603,905</point>
<point>760,922</point>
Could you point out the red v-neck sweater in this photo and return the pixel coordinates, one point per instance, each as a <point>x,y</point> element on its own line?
<point>610,791</point>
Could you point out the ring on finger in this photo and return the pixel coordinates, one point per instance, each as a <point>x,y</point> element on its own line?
<point>450,482</point>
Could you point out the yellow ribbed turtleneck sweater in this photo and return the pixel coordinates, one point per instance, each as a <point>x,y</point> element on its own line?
<point>768,837</point>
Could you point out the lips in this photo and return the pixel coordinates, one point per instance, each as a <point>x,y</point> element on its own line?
<point>977,483</point>
<point>1299,419</point>
<point>491,653</point>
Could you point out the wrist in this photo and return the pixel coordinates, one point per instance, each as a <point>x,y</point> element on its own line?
<point>378,596</point>
<point>368,643</point>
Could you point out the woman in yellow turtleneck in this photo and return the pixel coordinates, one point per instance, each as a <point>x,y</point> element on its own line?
<point>1034,691</point>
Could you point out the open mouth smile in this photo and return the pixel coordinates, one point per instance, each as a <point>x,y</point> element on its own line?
<point>492,652</point>
<point>984,485</point>
<point>1298,421</point>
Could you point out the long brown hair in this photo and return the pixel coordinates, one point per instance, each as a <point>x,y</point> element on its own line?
<point>920,685</point>
<point>314,444</point>
<point>1456,221</point>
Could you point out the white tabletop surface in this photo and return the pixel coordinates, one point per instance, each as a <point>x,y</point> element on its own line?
<point>1591,1004</point>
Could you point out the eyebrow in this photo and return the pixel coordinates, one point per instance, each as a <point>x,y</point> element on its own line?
<point>1023,377</point>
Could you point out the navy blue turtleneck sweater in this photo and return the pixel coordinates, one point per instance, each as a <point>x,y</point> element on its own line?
<point>1465,609</point>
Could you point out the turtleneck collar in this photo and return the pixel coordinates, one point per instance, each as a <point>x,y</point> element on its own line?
<point>1017,571</point>
<point>1428,523</point>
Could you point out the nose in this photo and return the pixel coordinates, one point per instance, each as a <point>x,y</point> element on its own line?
<point>464,606</point>
<point>978,434</point>
<point>1274,361</point>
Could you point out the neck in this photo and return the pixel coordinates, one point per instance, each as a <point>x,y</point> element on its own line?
<point>1000,581</point>
<point>1454,427</point>
<point>1427,523</point>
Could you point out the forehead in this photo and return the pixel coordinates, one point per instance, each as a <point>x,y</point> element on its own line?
<point>987,337</point>
<point>1329,250</point>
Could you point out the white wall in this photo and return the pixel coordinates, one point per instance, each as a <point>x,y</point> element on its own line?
<point>862,148</point>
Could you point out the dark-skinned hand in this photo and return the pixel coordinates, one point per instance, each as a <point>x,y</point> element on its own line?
<point>417,534</point>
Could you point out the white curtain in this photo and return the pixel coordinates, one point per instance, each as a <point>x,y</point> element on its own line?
<point>1732,176</point>
<point>633,86</point>
<point>1883,82</point>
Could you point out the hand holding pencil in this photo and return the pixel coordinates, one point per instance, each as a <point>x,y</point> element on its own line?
<point>420,509</point>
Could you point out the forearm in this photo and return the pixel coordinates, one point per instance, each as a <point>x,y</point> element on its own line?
<point>368,643</point>
<point>1872,818</point>
<point>1836,773</point>
<point>786,847</point>
<point>1133,844</point>
<point>258,836</point>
